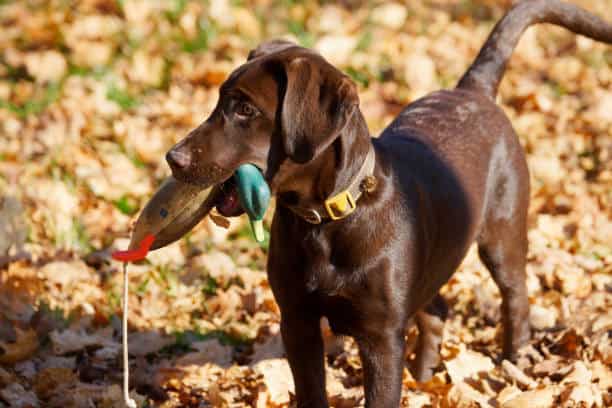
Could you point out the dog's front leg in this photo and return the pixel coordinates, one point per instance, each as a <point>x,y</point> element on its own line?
<point>382,355</point>
<point>304,347</point>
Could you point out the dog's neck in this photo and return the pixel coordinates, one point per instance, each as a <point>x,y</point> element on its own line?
<point>343,160</point>
<point>332,171</point>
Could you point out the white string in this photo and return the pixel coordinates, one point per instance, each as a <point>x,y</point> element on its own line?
<point>126,366</point>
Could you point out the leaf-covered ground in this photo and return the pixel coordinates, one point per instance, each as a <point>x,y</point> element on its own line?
<point>92,94</point>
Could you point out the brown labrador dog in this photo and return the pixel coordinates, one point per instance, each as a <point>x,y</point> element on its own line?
<point>447,172</point>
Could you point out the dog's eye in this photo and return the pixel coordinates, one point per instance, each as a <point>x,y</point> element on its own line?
<point>246,110</point>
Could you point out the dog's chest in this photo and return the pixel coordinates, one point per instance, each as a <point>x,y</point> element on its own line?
<point>333,261</point>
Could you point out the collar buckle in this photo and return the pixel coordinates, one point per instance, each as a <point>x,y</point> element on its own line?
<point>344,203</point>
<point>341,205</point>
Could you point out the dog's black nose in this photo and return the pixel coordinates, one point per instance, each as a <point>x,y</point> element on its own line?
<point>178,159</point>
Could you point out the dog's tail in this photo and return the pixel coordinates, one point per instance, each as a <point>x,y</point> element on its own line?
<point>486,72</point>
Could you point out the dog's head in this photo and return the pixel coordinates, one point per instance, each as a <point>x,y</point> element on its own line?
<point>282,108</point>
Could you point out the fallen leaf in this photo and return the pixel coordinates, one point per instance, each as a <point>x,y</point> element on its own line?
<point>579,374</point>
<point>466,364</point>
<point>583,395</point>
<point>461,395</point>
<point>542,318</point>
<point>19,397</point>
<point>23,348</point>
<point>390,15</point>
<point>69,341</point>
<point>143,343</point>
<point>541,398</point>
<point>517,375</point>
<point>53,380</point>
<point>13,229</point>
<point>209,351</point>
<point>277,378</point>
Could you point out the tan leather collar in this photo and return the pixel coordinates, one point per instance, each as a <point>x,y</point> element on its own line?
<point>342,204</point>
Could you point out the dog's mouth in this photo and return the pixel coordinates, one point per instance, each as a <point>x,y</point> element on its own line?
<point>226,199</point>
<point>228,202</point>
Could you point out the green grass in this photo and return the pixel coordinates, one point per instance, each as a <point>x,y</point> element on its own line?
<point>126,205</point>
<point>558,89</point>
<point>167,279</point>
<point>82,239</point>
<point>141,289</point>
<point>184,339</point>
<point>114,301</point>
<point>286,3</point>
<point>360,77</point>
<point>178,6</point>
<point>131,155</point>
<point>137,162</point>
<point>121,98</point>
<point>95,72</point>
<point>446,81</point>
<point>364,41</point>
<point>297,28</point>
<point>59,173</point>
<point>210,286</point>
<point>206,33</point>
<point>200,43</point>
<point>58,315</point>
<point>15,74</point>
<point>164,84</point>
<point>75,237</point>
<point>50,94</point>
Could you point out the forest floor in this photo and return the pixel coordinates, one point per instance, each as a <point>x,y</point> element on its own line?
<point>93,93</point>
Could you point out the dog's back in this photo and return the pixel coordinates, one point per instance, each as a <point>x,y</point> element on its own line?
<point>459,146</point>
<point>461,150</point>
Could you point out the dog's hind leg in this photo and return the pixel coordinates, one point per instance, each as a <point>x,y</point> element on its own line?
<point>430,322</point>
<point>503,250</point>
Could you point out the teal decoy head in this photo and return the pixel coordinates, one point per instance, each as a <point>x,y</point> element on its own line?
<point>254,195</point>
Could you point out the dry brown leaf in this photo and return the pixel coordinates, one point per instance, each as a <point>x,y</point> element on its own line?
<point>23,348</point>
<point>219,220</point>
<point>46,66</point>
<point>508,393</point>
<point>271,348</point>
<point>13,229</point>
<point>143,343</point>
<point>390,15</point>
<point>568,344</point>
<point>277,378</point>
<point>579,374</point>
<point>602,375</point>
<point>582,395</point>
<point>549,366</point>
<point>542,318</point>
<point>17,396</point>
<point>68,341</point>
<point>53,380</point>
<point>516,374</point>
<point>462,395</point>
<point>540,398</point>
<point>466,364</point>
<point>209,351</point>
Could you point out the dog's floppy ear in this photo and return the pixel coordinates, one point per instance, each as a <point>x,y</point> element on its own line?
<point>270,47</point>
<point>319,101</point>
